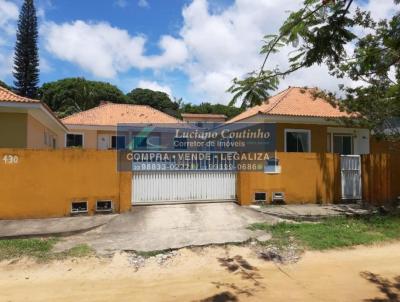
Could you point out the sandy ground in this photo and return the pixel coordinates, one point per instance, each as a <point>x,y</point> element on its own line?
<point>210,274</point>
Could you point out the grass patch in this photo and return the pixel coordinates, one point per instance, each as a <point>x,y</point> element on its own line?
<point>35,248</point>
<point>151,253</point>
<point>78,251</point>
<point>39,249</point>
<point>335,232</point>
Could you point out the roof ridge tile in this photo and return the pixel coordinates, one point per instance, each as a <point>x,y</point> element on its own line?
<point>284,94</point>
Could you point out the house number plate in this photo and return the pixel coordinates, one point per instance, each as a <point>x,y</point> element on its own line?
<point>10,159</point>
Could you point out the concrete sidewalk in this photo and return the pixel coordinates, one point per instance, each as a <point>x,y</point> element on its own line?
<point>312,212</point>
<point>51,226</point>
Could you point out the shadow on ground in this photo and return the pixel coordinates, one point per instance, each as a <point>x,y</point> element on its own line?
<point>221,297</point>
<point>390,289</point>
<point>239,266</point>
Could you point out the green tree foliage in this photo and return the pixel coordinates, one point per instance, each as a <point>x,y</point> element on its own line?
<point>320,32</point>
<point>156,99</point>
<point>26,60</point>
<point>229,111</point>
<point>71,95</point>
<point>4,85</point>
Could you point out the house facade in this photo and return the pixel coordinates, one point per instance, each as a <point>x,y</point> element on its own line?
<point>28,123</point>
<point>309,137</point>
<point>306,123</point>
<point>309,134</point>
<point>97,128</point>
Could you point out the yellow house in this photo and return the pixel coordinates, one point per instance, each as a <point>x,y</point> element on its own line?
<point>306,123</point>
<point>28,123</point>
<point>96,128</point>
<point>310,135</point>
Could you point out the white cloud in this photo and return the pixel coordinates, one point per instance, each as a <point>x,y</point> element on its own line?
<point>45,66</point>
<point>143,3</point>
<point>6,64</point>
<point>380,9</point>
<point>214,46</point>
<point>121,3</point>
<point>226,44</point>
<point>8,17</point>
<point>155,86</point>
<point>105,50</point>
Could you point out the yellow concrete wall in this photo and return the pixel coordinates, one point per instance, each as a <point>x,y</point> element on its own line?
<point>305,178</point>
<point>43,183</point>
<point>36,135</point>
<point>13,130</point>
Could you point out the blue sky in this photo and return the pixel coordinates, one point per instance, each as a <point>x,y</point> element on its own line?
<point>187,48</point>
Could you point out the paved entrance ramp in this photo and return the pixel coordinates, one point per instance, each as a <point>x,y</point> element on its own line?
<point>153,228</point>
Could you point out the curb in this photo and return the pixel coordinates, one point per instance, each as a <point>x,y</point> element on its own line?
<point>56,234</point>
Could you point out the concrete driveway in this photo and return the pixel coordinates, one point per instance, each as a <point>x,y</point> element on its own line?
<point>153,228</point>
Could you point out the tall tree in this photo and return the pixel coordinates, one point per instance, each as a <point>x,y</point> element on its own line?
<point>156,99</point>
<point>208,108</point>
<point>322,32</point>
<point>71,95</point>
<point>26,59</point>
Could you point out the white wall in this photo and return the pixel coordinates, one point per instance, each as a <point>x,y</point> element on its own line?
<point>361,138</point>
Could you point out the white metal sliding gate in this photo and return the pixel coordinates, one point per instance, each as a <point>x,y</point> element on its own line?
<point>184,186</point>
<point>351,176</point>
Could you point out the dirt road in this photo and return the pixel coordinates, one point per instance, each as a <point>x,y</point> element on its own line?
<point>210,274</point>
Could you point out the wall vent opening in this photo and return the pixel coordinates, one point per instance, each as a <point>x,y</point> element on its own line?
<point>278,197</point>
<point>78,207</point>
<point>104,206</point>
<point>260,197</point>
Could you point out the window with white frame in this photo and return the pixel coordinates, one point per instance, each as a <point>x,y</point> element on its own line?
<point>297,140</point>
<point>342,144</point>
<point>74,140</point>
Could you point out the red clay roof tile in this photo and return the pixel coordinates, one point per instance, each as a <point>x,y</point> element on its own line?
<point>9,96</point>
<point>110,114</point>
<point>294,101</point>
